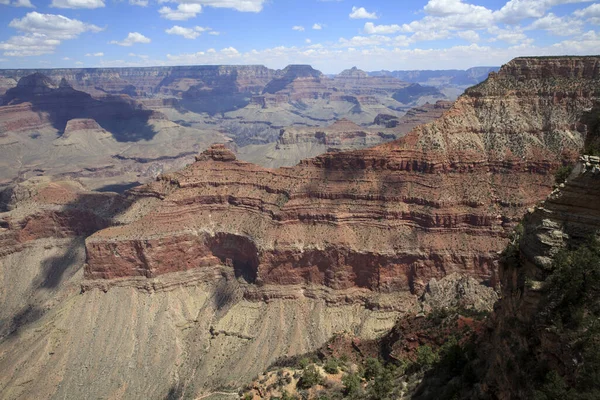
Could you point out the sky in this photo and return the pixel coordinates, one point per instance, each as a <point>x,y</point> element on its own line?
<point>331,35</point>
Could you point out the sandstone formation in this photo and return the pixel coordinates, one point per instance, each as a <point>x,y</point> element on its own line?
<point>443,199</point>
<point>191,332</point>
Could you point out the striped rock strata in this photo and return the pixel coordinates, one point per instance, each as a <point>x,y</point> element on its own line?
<point>441,200</point>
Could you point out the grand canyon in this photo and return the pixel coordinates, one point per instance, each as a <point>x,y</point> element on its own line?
<point>227,231</point>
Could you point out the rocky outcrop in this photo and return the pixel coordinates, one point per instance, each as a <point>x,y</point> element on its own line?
<point>443,199</point>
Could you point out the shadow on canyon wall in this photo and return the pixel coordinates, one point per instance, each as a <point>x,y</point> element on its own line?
<point>121,116</point>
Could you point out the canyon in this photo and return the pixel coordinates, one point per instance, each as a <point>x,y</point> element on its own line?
<point>208,274</point>
<point>131,124</point>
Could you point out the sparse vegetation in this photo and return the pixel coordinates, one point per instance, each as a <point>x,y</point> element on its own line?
<point>331,366</point>
<point>563,173</point>
<point>310,377</point>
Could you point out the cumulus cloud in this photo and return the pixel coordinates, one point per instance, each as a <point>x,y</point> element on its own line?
<point>17,3</point>
<point>95,55</point>
<point>443,8</point>
<point>298,28</point>
<point>51,25</point>
<point>29,45</point>
<point>189,33</point>
<point>77,3</point>
<point>372,29</point>
<point>141,3</point>
<point>42,33</point>
<point>515,11</point>
<point>591,13</point>
<point>239,5</point>
<point>318,27</point>
<point>559,26</point>
<point>131,39</point>
<point>210,56</point>
<point>511,35</point>
<point>361,13</point>
<point>181,13</point>
<point>470,36</point>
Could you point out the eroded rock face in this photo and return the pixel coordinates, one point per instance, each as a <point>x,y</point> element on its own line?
<point>441,200</point>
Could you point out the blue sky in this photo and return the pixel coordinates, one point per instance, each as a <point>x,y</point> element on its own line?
<point>330,35</point>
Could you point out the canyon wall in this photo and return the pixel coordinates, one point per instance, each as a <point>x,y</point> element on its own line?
<point>443,199</point>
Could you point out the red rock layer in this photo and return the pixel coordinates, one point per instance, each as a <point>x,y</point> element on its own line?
<point>54,210</point>
<point>441,200</point>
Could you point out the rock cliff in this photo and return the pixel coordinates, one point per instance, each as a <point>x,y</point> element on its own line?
<point>443,199</point>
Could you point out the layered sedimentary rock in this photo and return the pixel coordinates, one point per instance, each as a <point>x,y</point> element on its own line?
<point>443,199</point>
<point>49,128</point>
<point>153,80</point>
<point>297,143</point>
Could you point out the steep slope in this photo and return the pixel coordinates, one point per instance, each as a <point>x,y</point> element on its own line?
<point>550,292</point>
<point>441,200</point>
<point>190,332</point>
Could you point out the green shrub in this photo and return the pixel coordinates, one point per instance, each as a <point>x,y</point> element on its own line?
<point>331,366</point>
<point>310,377</point>
<point>303,363</point>
<point>352,386</point>
<point>563,173</point>
<point>372,368</point>
<point>382,386</point>
<point>426,357</point>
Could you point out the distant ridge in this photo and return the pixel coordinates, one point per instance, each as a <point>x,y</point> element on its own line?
<point>471,76</point>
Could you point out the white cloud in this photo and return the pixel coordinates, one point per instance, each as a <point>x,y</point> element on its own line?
<point>318,26</point>
<point>95,55</point>
<point>181,13</point>
<point>442,8</point>
<point>189,33</point>
<point>17,3</point>
<point>515,11</point>
<point>361,41</point>
<point>361,13</point>
<point>34,44</point>
<point>54,26</point>
<point>239,5</point>
<point>78,63</point>
<point>470,36</point>
<point>131,39</point>
<point>142,56</point>
<point>66,58</point>
<point>373,29</point>
<point>298,28</point>
<point>557,25</point>
<point>141,3</point>
<point>77,3</point>
<point>512,36</point>
<point>308,41</point>
<point>42,33</point>
<point>591,13</point>
<point>211,56</point>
